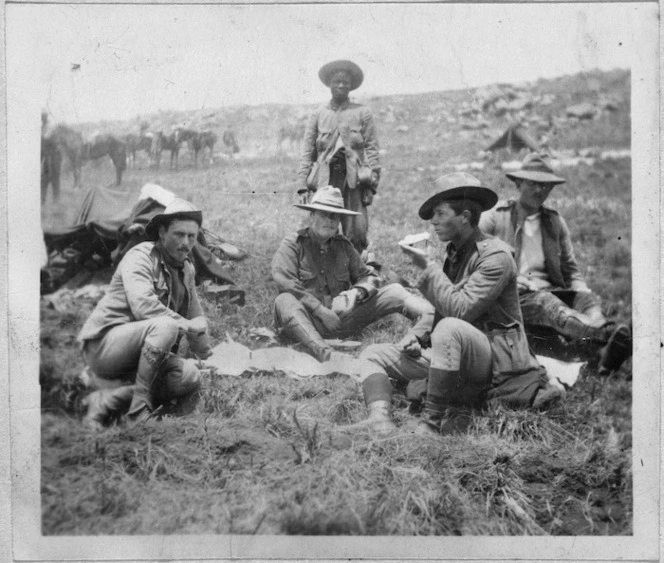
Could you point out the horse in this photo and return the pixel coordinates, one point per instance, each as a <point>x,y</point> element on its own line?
<point>71,144</point>
<point>204,140</point>
<point>135,143</point>
<point>105,144</point>
<point>161,142</point>
<point>51,161</point>
<point>230,141</point>
<point>189,136</point>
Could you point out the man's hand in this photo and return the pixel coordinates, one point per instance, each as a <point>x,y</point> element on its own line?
<point>410,346</point>
<point>367,196</point>
<point>196,326</point>
<point>329,318</point>
<point>524,285</point>
<point>420,258</point>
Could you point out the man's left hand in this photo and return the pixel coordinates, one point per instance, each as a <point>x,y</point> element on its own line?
<point>353,297</point>
<point>410,346</point>
<point>367,197</point>
<point>420,258</point>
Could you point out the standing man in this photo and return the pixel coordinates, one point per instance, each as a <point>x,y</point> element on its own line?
<point>326,290</point>
<point>131,339</point>
<point>552,291</point>
<point>477,350</point>
<point>340,149</point>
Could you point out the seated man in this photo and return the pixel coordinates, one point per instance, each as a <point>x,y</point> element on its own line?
<point>477,350</point>
<point>315,265</point>
<point>552,291</point>
<point>131,339</point>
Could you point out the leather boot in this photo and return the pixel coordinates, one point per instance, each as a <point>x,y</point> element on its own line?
<point>444,412</point>
<point>105,403</point>
<point>548,396</point>
<point>617,349</point>
<point>300,328</point>
<point>149,366</point>
<point>451,420</point>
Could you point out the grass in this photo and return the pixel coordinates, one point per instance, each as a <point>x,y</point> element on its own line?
<point>265,454</point>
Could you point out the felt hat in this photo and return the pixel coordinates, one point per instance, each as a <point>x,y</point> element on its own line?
<point>328,70</point>
<point>328,199</point>
<point>176,209</point>
<point>458,185</point>
<point>534,167</point>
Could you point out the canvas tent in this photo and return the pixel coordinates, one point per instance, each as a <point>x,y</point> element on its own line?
<point>109,223</point>
<point>515,138</point>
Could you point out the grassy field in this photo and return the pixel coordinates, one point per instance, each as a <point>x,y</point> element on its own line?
<point>266,454</point>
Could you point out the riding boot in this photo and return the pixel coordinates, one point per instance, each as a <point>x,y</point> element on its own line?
<point>149,366</point>
<point>548,396</point>
<point>445,411</point>
<point>617,349</point>
<point>300,328</point>
<point>378,398</point>
<point>105,403</point>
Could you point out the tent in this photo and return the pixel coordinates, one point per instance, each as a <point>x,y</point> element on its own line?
<point>514,139</point>
<point>106,226</point>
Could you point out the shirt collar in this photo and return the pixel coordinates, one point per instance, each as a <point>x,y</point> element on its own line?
<point>335,105</point>
<point>454,253</point>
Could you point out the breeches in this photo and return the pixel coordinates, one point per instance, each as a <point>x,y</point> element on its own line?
<point>390,299</point>
<point>579,315</point>
<point>114,358</point>
<point>456,346</point>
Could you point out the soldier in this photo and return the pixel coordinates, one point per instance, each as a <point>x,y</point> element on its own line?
<point>477,349</point>
<point>340,148</point>
<point>316,267</point>
<point>131,339</point>
<point>552,291</point>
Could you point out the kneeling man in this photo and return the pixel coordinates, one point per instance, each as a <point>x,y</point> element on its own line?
<point>477,349</point>
<point>131,340</point>
<point>316,268</point>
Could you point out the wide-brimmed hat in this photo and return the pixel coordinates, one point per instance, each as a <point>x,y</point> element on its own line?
<point>178,209</point>
<point>534,167</point>
<point>458,185</point>
<point>328,199</point>
<point>328,70</point>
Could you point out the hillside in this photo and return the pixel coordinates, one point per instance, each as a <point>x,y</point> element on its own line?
<point>435,118</point>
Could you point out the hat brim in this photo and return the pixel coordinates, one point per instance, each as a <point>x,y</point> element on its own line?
<point>328,70</point>
<point>484,196</point>
<point>152,228</point>
<point>543,177</point>
<point>327,208</point>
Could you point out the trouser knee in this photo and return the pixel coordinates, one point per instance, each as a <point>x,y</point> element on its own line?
<point>162,334</point>
<point>284,306</point>
<point>446,343</point>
